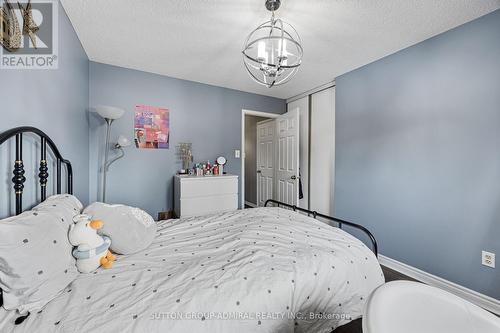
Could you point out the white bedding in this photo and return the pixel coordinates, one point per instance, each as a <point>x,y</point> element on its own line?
<point>243,271</point>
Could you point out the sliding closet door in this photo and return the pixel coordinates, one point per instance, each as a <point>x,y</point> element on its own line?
<point>322,151</point>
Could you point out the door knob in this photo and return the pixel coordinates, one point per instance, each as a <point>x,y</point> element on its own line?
<point>293,177</point>
<point>258,171</point>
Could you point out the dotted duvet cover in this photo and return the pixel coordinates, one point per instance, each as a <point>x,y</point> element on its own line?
<point>253,270</point>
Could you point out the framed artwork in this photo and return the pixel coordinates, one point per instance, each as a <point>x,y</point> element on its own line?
<point>151,127</point>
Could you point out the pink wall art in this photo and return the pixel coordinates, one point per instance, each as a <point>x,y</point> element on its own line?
<point>151,127</point>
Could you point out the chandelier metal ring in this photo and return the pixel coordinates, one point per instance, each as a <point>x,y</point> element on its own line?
<point>273,52</point>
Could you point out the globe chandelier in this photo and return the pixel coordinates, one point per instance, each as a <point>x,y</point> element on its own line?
<point>273,52</point>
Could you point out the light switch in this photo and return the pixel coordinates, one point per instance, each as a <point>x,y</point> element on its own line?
<point>237,153</point>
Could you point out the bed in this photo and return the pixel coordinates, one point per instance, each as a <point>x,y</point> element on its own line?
<point>256,270</point>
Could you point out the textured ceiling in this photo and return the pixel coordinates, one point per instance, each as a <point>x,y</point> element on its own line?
<point>201,40</point>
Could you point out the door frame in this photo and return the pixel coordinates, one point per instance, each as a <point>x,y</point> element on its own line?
<point>271,121</point>
<point>245,112</point>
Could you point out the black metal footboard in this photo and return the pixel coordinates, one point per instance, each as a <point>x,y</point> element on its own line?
<point>334,219</point>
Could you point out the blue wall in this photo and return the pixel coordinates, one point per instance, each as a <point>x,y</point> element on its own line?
<point>54,101</point>
<point>418,153</point>
<point>207,116</point>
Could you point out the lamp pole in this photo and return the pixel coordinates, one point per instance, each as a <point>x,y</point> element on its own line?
<point>106,151</point>
<point>109,114</point>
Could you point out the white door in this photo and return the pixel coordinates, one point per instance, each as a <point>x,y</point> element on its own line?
<point>287,157</point>
<point>265,160</point>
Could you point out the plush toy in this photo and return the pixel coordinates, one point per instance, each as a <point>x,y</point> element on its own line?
<point>91,248</point>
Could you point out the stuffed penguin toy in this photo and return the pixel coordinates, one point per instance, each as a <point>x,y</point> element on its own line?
<point>91,249</point>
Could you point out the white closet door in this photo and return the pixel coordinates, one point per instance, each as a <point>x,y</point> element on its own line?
<point>322,151</point>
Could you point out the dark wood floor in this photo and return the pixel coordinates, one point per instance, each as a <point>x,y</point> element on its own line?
<point>355,325</point>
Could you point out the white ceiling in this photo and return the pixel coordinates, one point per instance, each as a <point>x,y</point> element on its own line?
<point>201,40</point>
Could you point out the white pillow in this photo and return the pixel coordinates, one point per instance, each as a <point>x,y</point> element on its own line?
<point>130,229</point>
<point>35,255</point>
<point>65,205</point>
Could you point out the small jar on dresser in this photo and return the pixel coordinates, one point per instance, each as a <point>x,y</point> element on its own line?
<point>201,195</point>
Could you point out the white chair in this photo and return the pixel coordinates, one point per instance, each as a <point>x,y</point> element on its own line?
<point>411,307</point>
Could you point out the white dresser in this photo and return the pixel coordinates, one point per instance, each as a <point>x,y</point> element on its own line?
<point>200,195</point>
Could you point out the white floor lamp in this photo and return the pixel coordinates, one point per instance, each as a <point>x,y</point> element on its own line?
<point>110,114</point>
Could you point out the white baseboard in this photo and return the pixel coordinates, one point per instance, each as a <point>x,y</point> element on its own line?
<point>484,301</point>
<point>248,203</point>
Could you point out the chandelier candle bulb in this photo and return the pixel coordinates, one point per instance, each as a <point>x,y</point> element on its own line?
<point>262,50</point>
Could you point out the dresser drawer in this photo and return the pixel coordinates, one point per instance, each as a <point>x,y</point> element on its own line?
<point>206,205</point>
<point>207,186</point>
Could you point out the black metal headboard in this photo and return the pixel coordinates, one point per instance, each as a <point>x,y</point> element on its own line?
<point>43,175</point>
